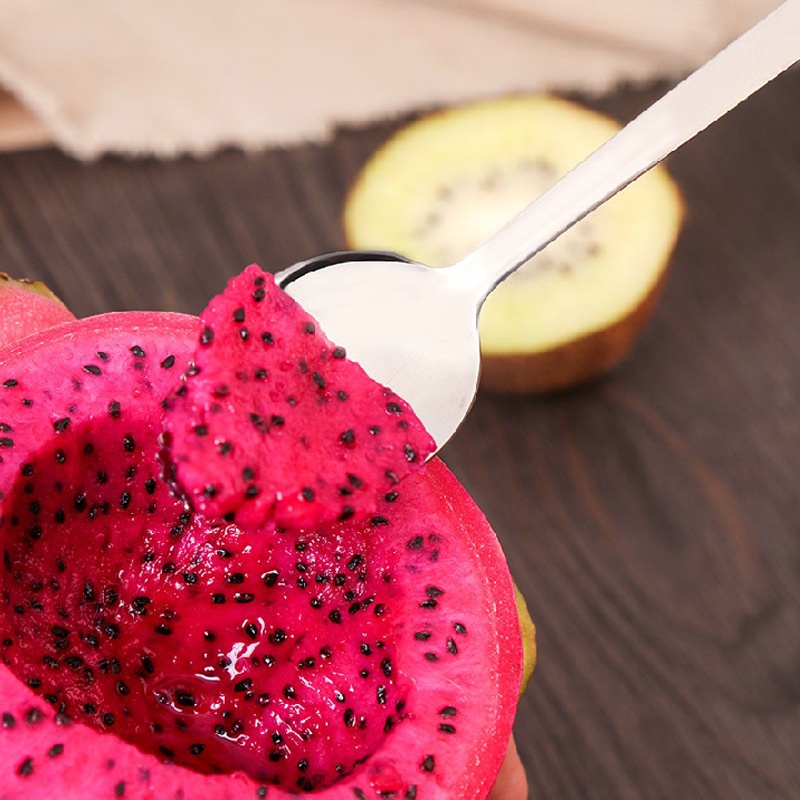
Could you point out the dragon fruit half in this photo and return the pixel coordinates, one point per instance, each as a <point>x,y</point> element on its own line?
<point>347,628</point>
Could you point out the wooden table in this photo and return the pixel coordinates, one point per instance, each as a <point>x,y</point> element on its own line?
<point>652,519</point>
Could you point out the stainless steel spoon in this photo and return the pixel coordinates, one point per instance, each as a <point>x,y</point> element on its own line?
<point>414,328</point>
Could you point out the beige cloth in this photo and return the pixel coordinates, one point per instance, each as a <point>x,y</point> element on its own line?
<point>172,76</point>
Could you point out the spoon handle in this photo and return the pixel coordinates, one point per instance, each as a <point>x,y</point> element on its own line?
<point>745,65</point>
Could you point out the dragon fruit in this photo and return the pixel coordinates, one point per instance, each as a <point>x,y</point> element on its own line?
<point>27,307</point>
<point>155,648</point>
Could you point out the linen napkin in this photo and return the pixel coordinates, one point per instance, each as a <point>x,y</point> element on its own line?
<point>187,76</point>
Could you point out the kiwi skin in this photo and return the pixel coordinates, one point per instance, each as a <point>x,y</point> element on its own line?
<point>528,631</point>
<point>575,362</point>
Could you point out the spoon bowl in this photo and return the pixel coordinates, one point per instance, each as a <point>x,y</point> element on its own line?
<point>407,325</point>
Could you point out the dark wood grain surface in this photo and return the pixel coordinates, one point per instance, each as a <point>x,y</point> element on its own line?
<point>651,519</point>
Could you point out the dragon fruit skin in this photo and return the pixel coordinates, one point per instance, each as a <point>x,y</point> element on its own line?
<point>28,307</point>
<point>290,429</point>
<point>425,605</point>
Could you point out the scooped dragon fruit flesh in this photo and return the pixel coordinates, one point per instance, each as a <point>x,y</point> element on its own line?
<point>229,572</point>
<point>274,423</point>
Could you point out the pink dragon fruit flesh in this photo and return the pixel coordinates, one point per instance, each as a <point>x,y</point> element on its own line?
<point>154,646</point>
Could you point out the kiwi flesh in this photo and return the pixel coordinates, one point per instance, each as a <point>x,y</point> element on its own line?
<point>445,182</point>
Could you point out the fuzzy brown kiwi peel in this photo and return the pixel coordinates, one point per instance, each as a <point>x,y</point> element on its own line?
<point>445,183</point>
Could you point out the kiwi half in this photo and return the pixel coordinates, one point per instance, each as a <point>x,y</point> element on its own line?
<point>444,183</point>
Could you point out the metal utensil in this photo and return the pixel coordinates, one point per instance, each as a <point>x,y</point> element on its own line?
<point>414,328</point>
